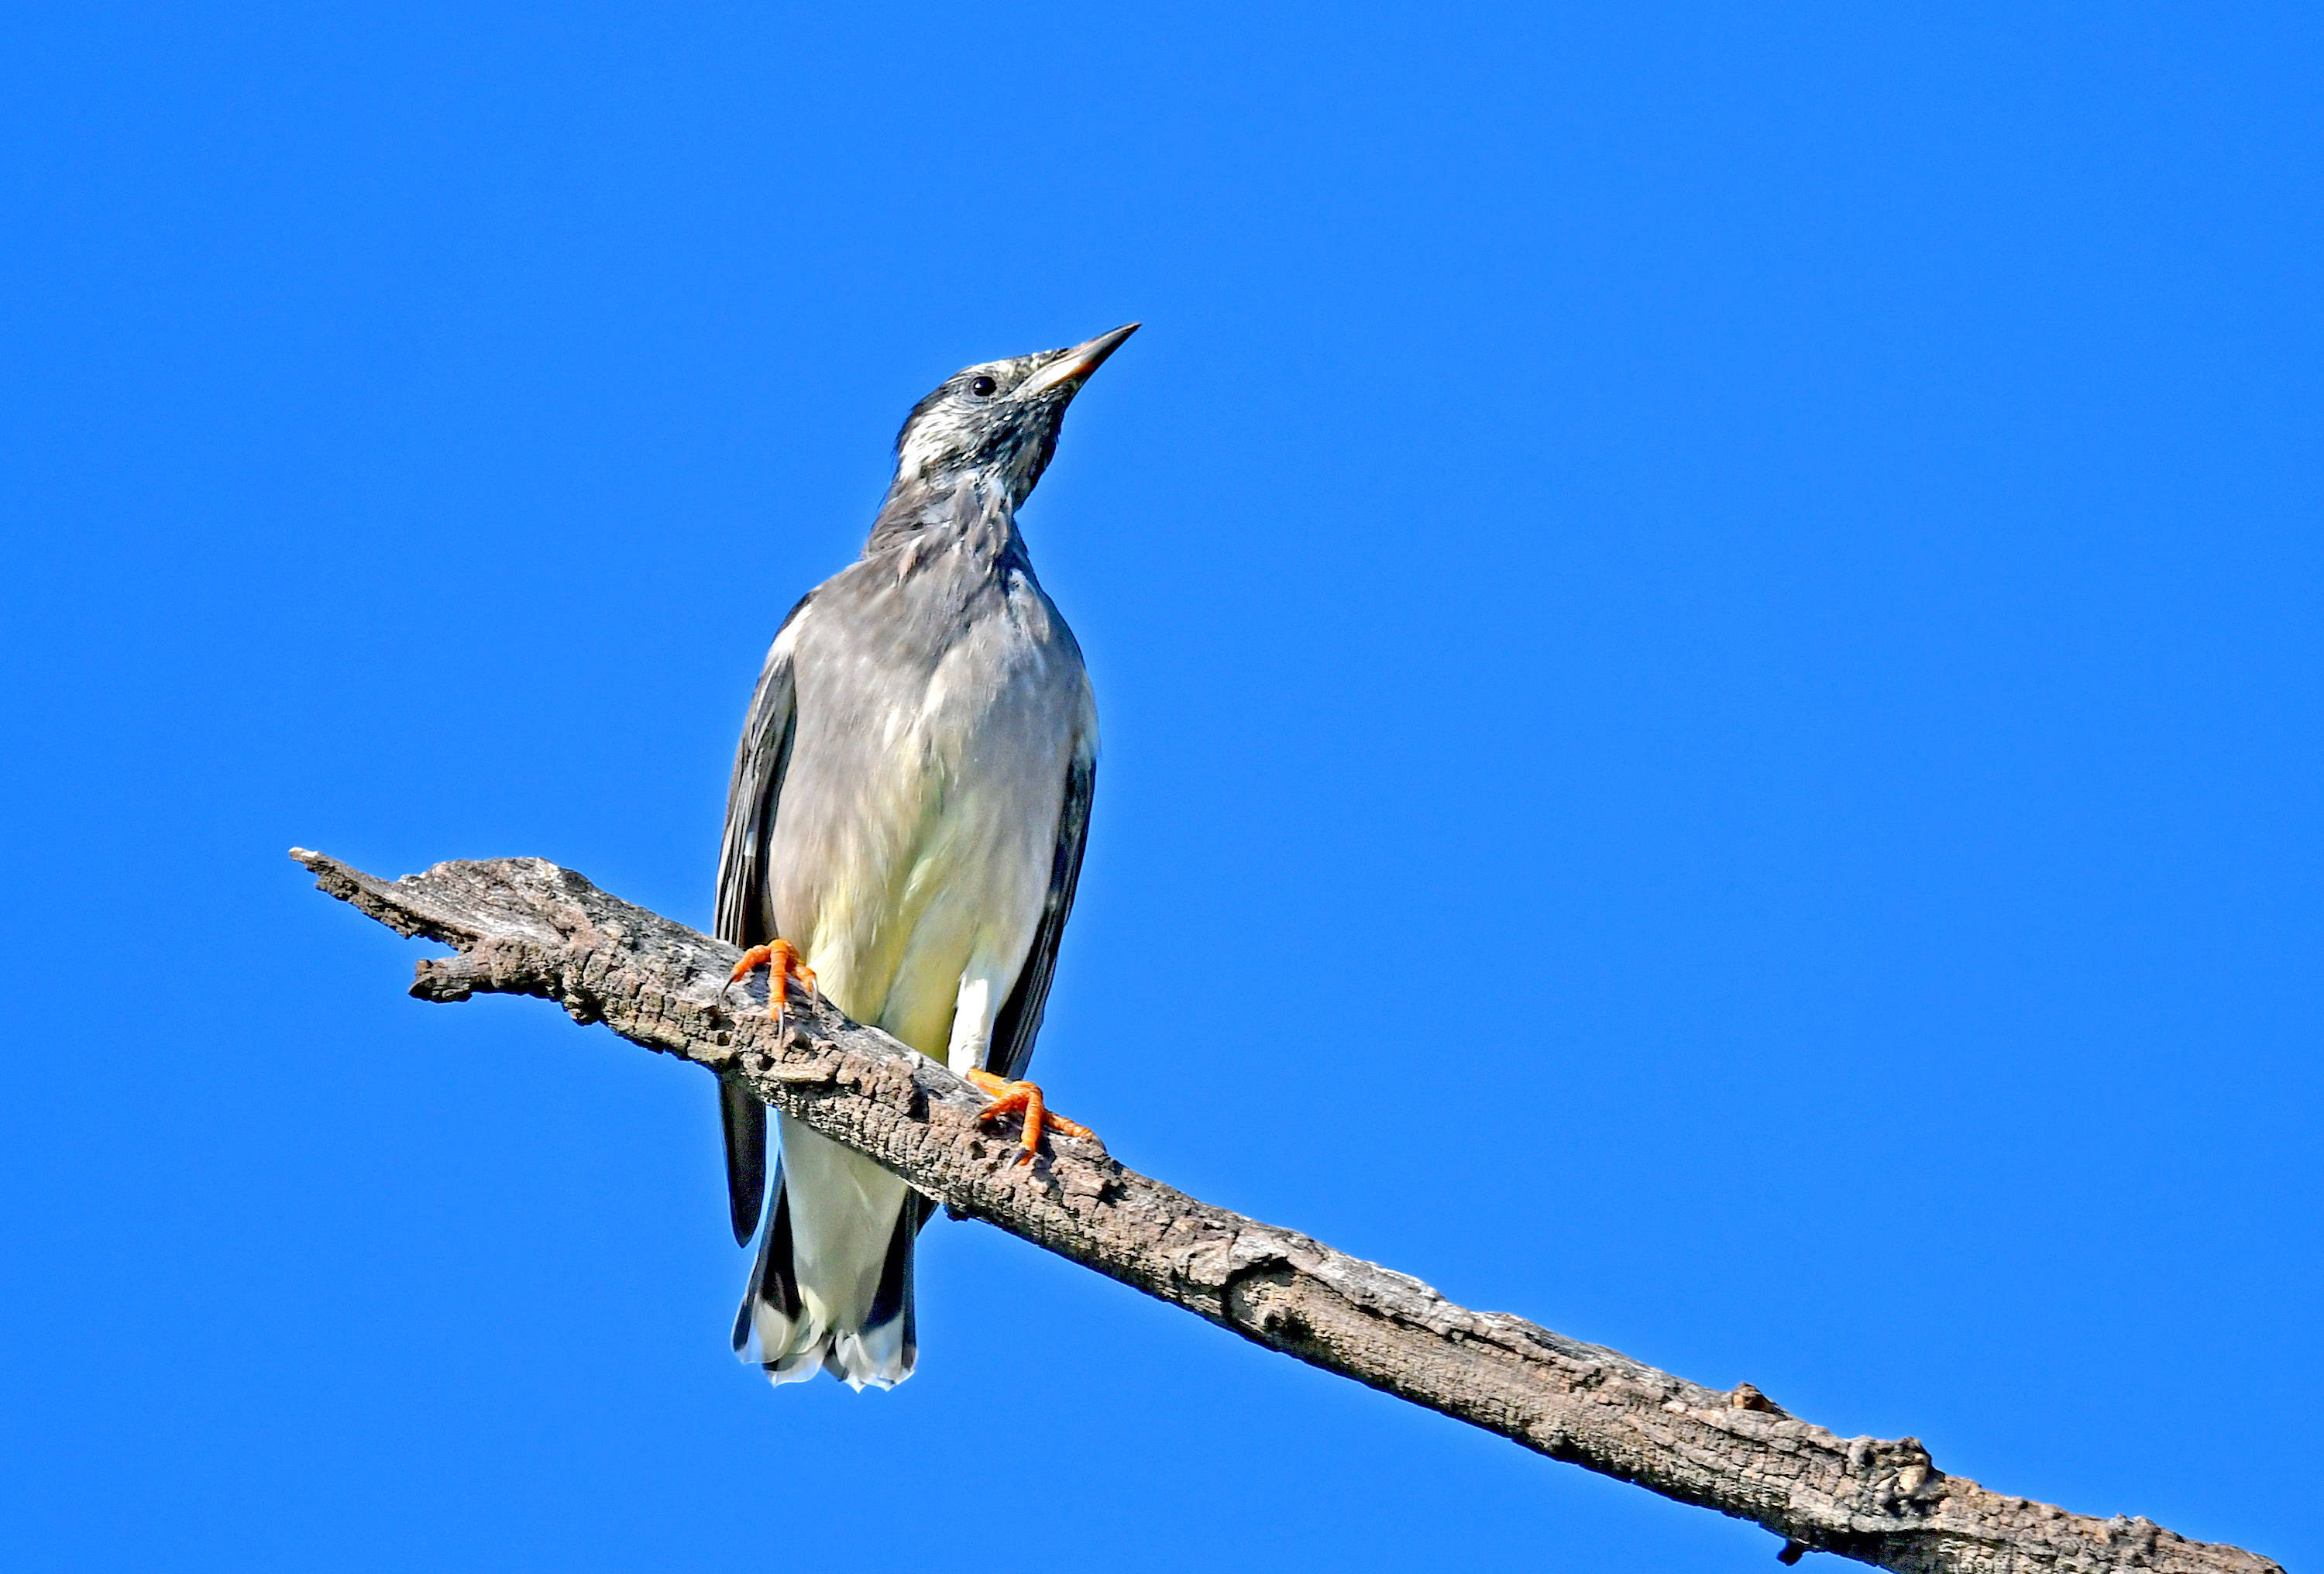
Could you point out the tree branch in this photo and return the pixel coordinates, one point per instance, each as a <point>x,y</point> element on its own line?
<point>523,926</point>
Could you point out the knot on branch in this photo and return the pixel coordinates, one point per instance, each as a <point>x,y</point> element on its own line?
<point>449,979</point>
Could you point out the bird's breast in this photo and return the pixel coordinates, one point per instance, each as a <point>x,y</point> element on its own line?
<point>917,823</point>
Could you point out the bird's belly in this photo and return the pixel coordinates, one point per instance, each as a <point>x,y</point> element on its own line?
<point>974,895</point>
<point>930,872</point>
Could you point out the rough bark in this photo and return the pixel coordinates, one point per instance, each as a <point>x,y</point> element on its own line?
<point>527,928</point>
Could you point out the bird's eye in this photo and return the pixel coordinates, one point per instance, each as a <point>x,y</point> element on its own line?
<point>983,386</point>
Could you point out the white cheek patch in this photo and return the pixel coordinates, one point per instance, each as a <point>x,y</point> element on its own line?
<point>938,436</point>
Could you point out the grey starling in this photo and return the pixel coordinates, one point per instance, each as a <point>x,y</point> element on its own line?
<point>904,830</point>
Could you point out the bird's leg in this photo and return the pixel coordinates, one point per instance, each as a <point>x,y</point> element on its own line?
<point>1009,1097</point>
<point>783,964</point>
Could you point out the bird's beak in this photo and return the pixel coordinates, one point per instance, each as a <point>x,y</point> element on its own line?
<point>1072,367</point>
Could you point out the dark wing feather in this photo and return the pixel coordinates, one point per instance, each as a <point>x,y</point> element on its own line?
<point>761,759</point>
<point>1019,1020</point>
<point>743,1120</point>
<point>743,918</point>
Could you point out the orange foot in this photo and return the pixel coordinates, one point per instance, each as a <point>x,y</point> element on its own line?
<point>1009,1097</point>
<point>781,960</point>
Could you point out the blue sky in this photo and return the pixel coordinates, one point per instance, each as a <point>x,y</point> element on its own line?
<point>1706,630</point>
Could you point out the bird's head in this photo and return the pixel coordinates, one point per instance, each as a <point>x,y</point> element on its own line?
<point>998,422</point>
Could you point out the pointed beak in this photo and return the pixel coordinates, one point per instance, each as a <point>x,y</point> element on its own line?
<point>1072,367</point>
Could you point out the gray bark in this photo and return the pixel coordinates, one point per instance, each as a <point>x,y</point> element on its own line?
<point>527,928</point>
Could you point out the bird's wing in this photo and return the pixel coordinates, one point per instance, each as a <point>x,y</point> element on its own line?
<point>1019,1019</point>
<point>759,761</point>
<point>743,913</point>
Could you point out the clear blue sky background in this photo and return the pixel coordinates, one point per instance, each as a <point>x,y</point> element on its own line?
<point>1767,567</point>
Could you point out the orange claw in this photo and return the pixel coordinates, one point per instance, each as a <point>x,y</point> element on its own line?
<point>783,964</point>
<point>1009,1097</point>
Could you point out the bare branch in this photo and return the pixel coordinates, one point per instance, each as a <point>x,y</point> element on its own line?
<point>523,926</point>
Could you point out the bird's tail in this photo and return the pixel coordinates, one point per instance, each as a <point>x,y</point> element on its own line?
<point>831,1286</point>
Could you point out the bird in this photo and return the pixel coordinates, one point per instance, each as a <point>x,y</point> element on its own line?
<point>904,831</point>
